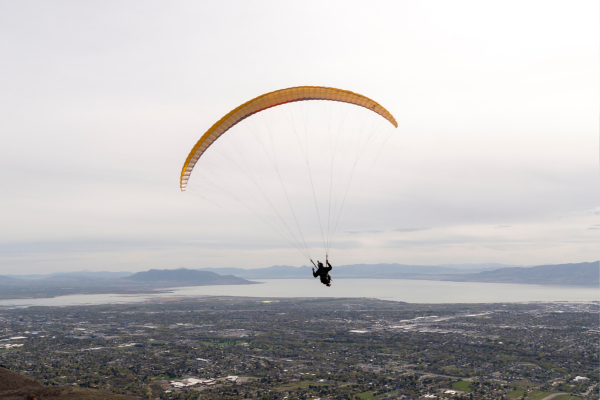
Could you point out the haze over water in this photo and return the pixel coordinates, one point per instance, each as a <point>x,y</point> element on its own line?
<point>410,291</point>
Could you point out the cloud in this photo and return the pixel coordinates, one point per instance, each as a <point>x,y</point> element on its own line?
<point>241,245</point>
<point>75,247</point>
<point>373,231</point>
<point>594,227</point>
<point>378,231</point>
<point>436,241</point>
<point>502,226</point>
<point>347,245</point>
<point>410,229</point>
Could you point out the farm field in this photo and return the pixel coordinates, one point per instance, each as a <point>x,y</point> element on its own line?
<point>462,385</point>
<point>515,394</point>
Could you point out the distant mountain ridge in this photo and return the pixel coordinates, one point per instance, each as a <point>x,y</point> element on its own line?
<point>283,271</point>
<point>193,277</point>
<point>7,279</point>
<point>586,273</point>
<point>152,281</point>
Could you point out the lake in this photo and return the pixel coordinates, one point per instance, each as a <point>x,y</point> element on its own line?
<point>410,291</point>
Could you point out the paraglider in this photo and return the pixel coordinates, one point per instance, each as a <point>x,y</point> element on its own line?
<point>256,168</point>
<point>322,271</point>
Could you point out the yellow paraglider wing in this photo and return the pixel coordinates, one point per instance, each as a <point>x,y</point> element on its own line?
<point>273,99</point>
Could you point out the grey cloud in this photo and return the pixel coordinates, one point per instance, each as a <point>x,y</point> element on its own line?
<point>346,245</point>
<point>410,229</point>
<point>240,245</point>
<point>497,243</point>
<point>373,231</point>
<point>451,240</point>
<point>91,247</point>
<point>502,226</point>
<point>73,247</point>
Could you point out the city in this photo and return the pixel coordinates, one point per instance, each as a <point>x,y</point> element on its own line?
<point>226,347</point>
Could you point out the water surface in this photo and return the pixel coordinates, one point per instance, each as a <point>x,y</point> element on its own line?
<point>410,291</point>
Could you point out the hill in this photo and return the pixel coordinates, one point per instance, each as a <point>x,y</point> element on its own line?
<point>187,276</point>
<point>10,380</point>
<point>586,273</point>
<point>14,386</point>
<point>5,280</point>
<point>143,282</point>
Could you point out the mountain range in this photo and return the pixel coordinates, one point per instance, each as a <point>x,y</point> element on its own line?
<point>587,273</point>
<point>188,276</point>
<point>278,270</point>
<point>142,282</point>
<point>153,277</point>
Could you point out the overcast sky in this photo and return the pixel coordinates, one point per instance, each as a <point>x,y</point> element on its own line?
<point>495,159</point>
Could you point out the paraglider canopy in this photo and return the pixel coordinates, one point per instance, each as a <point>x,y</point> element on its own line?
<point>272,99</point>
